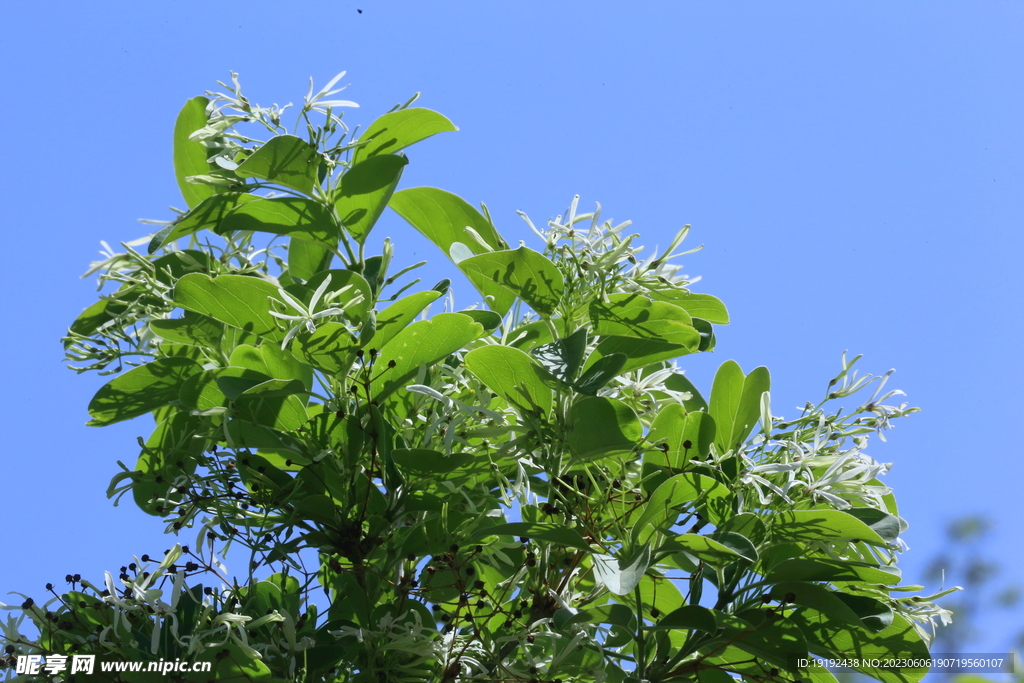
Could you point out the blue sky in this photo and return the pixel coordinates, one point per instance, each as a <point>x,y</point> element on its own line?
<point>854,169</point>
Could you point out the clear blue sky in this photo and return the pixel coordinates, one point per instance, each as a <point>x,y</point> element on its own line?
<point>854,169</point>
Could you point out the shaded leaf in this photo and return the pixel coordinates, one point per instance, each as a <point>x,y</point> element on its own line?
<point>236,300</point>
<point>397,130</point>
<point>600,426</point>
<point>140,390</point>
<point>294,216</point>
<point>513,375</point>
<point>364,192</point>
<point>529,275</point>
<point>284,160</point>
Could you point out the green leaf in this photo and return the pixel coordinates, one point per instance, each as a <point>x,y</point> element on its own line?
<point>815,596</point>
<point>661,510</point>
<point>272,404</point>
<point>364,192</point>
<point>236,300</point>
<point>272,361</point>
<point>780,643</point>
<point>399,129</point>
<point>214,388</point>
<point>563,357</point>
<point>398,315</point>
<point>421,344</point>
<point>736,403</point>
<point>207,215</point>
<point>294,216</point>
<point>284,160</point>
<point>190,156</point>
<point>885,525</point>
<point>489,319</point>
<point>192,329</point>
<point>514,376</point>
<point>802,569</point>
<point>707,549</point>
<point>543,531</point>
<point>600,373</point>
<point>707,335</point>
<point>688,617</point>
<point>140,390</point>
<point>600,426</point>
<point>827,637</point>
<point>306,258</point>
<point>331,348</point>
<point>681,436</point>
<point>171,451</point>
<point>639,352</point>
<point>822,525</point>
<point>633,315</point>
<point>702,306</point>
<point>425,461</point>
<point>442,217</point>
<point>696,402</point>
<point>618,579</point>
<point>529,275</point>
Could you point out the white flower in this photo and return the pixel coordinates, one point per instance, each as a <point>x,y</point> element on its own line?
<point>307,317</point>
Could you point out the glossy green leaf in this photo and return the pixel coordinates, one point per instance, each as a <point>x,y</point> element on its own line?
<point>633,315</point>
<point>513,375</point>
<point>680,436</point>
<point>707,335</point>
<point>828,637</point>
<point>397,130</point>
<point>600,426</point>
<point>207,215</point>
<point>284,160</point>
<point>442,217</point>
<point>236,300</point>
<point>190,156</point>
<point>364,192</point>
<point>421,344</point>
<point>822,525</point>
<point>529,275</point>
<point>294,216</point>
<point>736,403</point>
<point>702,306</point>
<point>804,569</point>
<point>398,315</point>
<point>543,531</point>
<point>140,390</point>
